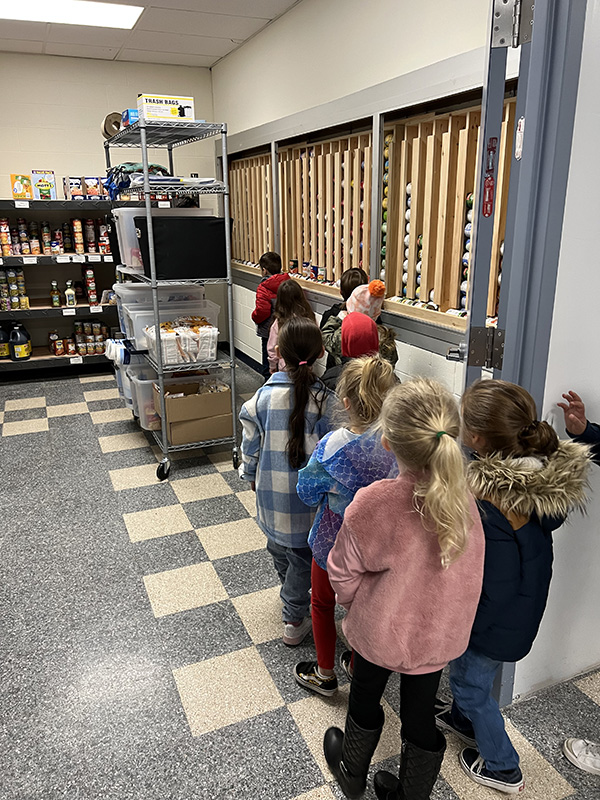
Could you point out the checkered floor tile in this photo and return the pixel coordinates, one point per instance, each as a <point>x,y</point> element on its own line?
<point>172,676</point>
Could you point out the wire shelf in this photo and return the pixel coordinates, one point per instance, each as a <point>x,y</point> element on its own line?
<point>192,445</point>
<point>179,190</point>
<point>190,367</point>
<point>165,134</point>
<point>140,276</point>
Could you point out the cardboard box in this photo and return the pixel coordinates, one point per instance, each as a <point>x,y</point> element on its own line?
<point>196,417</point>
<point>92,187</point>
<point>165,107</point>
<point>129,116</point>
<point>73,188</point>
<point>21,187</point>
<point>44,184</point>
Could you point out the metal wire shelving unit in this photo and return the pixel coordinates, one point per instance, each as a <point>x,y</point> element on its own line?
<point>168,135</point>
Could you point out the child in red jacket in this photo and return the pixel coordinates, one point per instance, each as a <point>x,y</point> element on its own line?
<point>266,294</point>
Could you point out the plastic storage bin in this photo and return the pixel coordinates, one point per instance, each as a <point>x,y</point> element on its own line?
<point>186,347</point>
<point>139,316</point>
<point>129,244</point>
<point>135,293</point>
<point>142,379</point>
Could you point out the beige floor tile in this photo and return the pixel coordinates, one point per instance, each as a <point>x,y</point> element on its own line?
<point>590,685</point>
<point>97,379</point>
<point>314,715</point>
<point>248,500</point>
<point>225,690</point>
<point>156,522</point>
<point>25,402</point>
<point>122,441</point>
<point>184,588</point>
<point>320,793</point>
<point>222,460</point>
<point>101,394</point>
<point>542,781</point>
<point>111,415</point>
<point>261,614</point>
<point>133,477</point>
<point>24,426</point>
<point>67,409</point>
<point>231,538</point>
<point>202,487</point>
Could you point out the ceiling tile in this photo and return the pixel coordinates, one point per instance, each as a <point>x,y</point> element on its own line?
<point>265,9</point>
<point>80,50</point>
<point>200,24</point>
<point>20,46</point>
<point>87,35</point>
<point>27,31</point>
<point>177,43</point>
<point>152,57</point>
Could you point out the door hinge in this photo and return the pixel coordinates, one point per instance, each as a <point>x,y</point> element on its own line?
<point>513,22</point>
<point>484,349</point>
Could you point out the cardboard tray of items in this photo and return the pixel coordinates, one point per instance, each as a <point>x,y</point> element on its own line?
<point>194,415</point>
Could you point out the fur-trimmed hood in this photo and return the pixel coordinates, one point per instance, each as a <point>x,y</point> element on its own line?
<point>550,486</point>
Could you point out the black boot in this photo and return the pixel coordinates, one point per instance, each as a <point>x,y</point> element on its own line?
<point>418,773</point>
<point>349,755</point>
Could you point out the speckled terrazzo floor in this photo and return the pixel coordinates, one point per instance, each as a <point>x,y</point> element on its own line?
<point>140,652</point>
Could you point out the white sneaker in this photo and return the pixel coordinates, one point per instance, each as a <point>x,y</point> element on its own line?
<point>584,754</point>
<point>294,635</point>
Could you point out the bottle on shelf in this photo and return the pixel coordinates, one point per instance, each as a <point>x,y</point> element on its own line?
<point>70,299</point>
<point>19,343</point>
<point>55,296</point>
<point>4,346</point>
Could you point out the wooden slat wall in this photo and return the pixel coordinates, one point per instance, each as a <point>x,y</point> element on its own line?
<point>251,207</point>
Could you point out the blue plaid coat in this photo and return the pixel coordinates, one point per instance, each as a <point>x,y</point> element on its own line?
<point>282,516</point>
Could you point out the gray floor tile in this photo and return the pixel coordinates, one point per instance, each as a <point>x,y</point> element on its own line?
<point>168,552</point>
<point>248,572</point>
<point>157,495</point>
<point>24,413</point>
<point>103,405</point>
<point>115,428</point>
<point>202,633</point>
<point>216,510</point>
<point>236,483</point>
<point>121,459</point>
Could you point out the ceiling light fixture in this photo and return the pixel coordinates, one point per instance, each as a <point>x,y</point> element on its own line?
<point>71,12</point>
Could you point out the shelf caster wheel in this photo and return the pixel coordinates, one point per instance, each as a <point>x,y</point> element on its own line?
<point>236,459</point>
<point>163,470</point>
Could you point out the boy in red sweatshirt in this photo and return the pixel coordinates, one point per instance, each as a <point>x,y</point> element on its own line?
<point>266,293</point>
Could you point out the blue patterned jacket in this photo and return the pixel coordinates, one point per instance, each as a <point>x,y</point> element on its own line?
<point>333,476</point>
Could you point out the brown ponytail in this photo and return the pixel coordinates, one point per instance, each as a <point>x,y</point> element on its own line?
<point>505,416</point>
<point>300,345</point>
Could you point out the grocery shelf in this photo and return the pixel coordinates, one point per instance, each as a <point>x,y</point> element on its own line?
<point>172,448</point>
<point>66,258</point>
<point>97,204</point>
<point>42,311</point>
<point>165,134</point>
<point>42,358</point>
<point>140,276</point>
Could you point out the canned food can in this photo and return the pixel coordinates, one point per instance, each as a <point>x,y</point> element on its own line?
<point>87,328</point>
<point>82,348</point>
<point>99,347</point>
<point>71,348</point>
<point>24,302</point>
<point>96,328</point>
<point>59,347</point>
<point>91,348</point>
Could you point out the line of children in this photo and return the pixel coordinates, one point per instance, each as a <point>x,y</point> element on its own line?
<point>408,560</point>
<point>266,293</point>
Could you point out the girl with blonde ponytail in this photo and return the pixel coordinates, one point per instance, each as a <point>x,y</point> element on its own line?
<point>408,565</point>
<point>343,462</point>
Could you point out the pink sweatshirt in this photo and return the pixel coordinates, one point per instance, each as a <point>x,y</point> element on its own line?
<point>405,611</point>
<point>275,364</point>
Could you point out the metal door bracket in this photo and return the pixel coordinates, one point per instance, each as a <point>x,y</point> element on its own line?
<point>513,22</point>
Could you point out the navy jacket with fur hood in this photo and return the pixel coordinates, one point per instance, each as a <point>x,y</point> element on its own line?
<point>518,563</point>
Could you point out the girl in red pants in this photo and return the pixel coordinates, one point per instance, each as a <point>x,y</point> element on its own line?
<point>343,462</point>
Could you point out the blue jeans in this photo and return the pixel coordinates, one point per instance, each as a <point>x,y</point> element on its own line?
<point>471,680</point>
<point>293,565</point>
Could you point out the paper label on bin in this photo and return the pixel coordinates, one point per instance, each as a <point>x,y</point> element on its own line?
<point>164,204</point>
<point>29,259</point>
<point>94,258</point>
<point>95,309</point>
<point>21,203</point>
<point>108,258</point>
<point>63,259</point>
<point>69,312</point>
<point>76,360</point>
<point>78,257</point>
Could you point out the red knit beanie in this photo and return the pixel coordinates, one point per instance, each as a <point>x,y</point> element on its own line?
<point>359,335</point>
